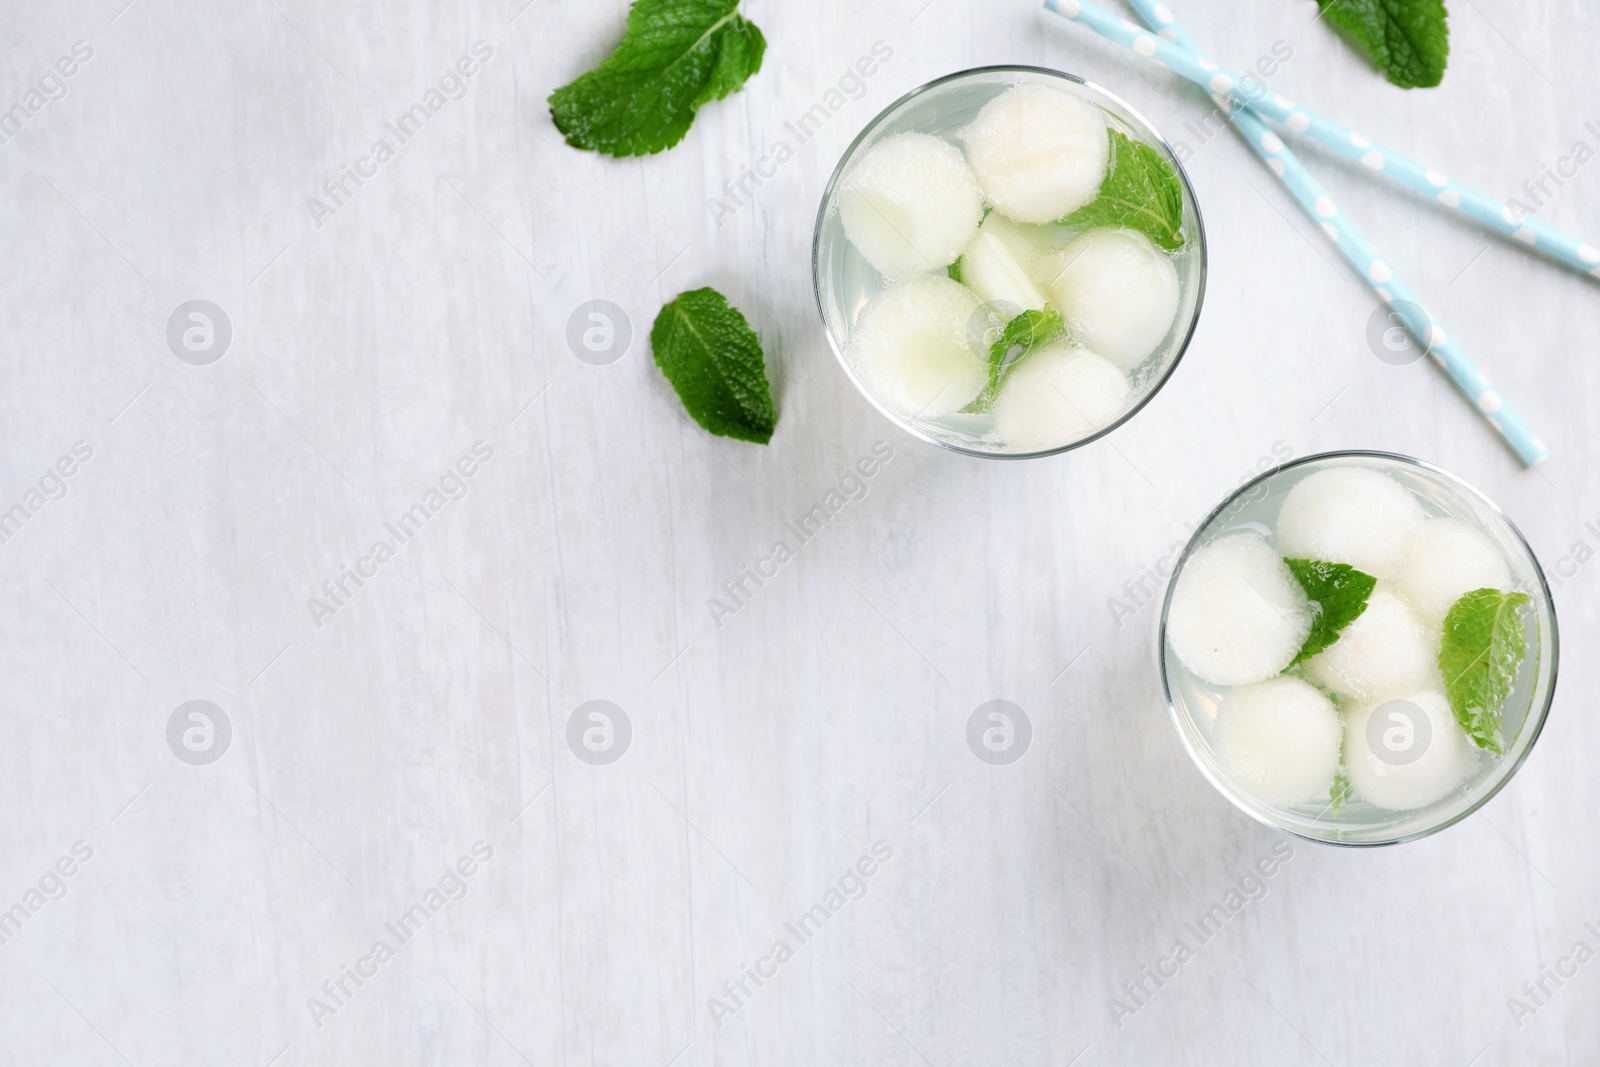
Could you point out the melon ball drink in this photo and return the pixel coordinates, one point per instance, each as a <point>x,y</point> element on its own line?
<point>1358,648</point>
<point>1008,262</point>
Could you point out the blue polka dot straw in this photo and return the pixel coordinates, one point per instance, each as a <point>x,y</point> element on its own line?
<point>1183,55</point>
<point>1190,62</point>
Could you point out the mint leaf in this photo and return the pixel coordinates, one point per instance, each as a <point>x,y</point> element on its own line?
<point>1409,40</point>
<point>713,359</point>
<point>1339,793</point>
<point>1022,335</point>
<point>1338,594</point>
<point>1479,656</point>
<point>674,56</point>
<point>1141,191</point>
<point>954,270</point>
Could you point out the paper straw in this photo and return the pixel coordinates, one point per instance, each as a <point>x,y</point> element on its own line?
<point>1420,178</point>
<point>1359,254</point>
<point>1159,17</point>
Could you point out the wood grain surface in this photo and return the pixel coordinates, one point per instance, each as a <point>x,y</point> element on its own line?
<point>807,749</point>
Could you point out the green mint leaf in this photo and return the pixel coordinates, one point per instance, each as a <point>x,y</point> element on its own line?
<point>1022,335</point>
<point>1340,793</point>
<point>1479,655</point>
<point>675,56</point>
<point>1141,191</point>
<point>713,359</point>
<point>1409,40</point>
<point>954,270</point>
<point>1338,594</point>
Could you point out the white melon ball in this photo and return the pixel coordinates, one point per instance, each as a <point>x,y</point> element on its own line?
<point>1056,395</point>
<point>997,276</point>
<point>910,205</point>
<point>911,346</point>
<point>1003,261</point>
<point>1027,244</point>
<point>1039,153</point>
<point>1118,292</point>
<point>1445,559</point>
<point>1349,515</point>
<point>1413,754</point>
<point>1237,613</point>
<point>1387,649</point>
<point>1279,739</point>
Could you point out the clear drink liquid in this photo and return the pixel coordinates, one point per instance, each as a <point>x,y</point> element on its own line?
<point>1194,701</point>
<point>846,281</point>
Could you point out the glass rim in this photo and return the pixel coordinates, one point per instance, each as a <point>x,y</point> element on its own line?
<point>1506,770</point>
<point>1145,127</point>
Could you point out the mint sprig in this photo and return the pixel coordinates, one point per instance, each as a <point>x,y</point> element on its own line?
<point>1339,793</point>
<point>713,359</point>
<point>1480,654</point>
<point>1141,191</point>
<point>1338,594</point>
<point>1029,330</point>
<point>675,56</point>
<point>1409,40</point>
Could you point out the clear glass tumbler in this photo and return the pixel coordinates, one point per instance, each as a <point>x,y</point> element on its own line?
<point>1194,702</point>
<point>845,281</point>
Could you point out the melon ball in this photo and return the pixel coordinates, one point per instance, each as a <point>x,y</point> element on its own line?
<point>1387,649</point>
<point>1027,244</point>
<point>1412,754</point>
<point>1118,292</point>
<point>1279,739</point>
<point>1002,263</point>
<point>1349,515</point>
<point>1057,394</point>
<point>912,348</point>
<point>1445,559</point>
<point>996,275</point>
<point>1237,613</point>
<point>1039,153</point>
<point>910,205</point>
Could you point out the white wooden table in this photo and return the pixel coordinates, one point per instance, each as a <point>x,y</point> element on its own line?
<point>374,742</point>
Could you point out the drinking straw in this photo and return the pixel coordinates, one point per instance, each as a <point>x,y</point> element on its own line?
<point>1159,17</point>
<point>1418,177</point>
<point>1352,245</point>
